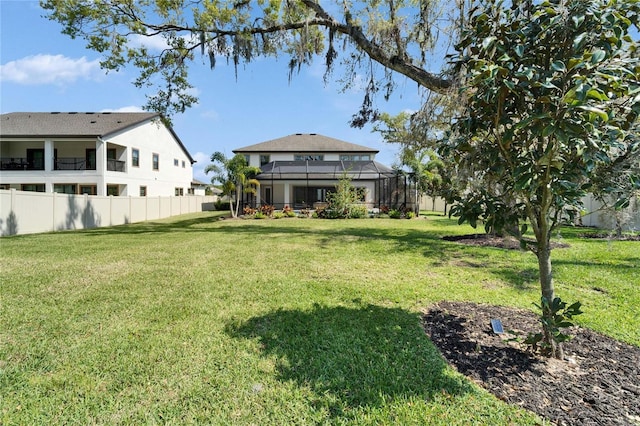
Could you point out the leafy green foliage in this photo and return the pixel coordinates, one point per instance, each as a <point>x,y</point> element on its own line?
<point>551,96</point>
<point>559,316</point>
<point>344,202</point>
<point>235,175</point>
<point>388,32</point>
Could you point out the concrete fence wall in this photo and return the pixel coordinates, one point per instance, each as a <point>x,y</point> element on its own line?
<point>23,212</point>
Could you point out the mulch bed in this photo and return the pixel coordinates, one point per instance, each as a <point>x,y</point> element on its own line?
<point>598,383</point>
<point>488,240</point>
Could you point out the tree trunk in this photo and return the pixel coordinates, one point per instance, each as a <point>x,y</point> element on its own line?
<point>548,293</point>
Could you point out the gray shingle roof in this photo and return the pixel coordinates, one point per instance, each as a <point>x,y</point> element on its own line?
<point>301,142</point>
<point>74,124</point>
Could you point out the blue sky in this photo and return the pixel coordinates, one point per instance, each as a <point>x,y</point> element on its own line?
<point>44,70</point>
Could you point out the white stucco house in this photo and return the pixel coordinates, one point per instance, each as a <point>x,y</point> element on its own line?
<point>120,154</point>
<point>300,169</point>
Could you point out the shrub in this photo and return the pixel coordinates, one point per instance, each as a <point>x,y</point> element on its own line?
<point>267,209</point>
<point>279,215</point>
<point>220,205</point>
<point>248,211</point>
<point>357,211</point>
<point>290,213</point>
<point>260,215</point>
<point>409,215</point>
<point>395,214</point>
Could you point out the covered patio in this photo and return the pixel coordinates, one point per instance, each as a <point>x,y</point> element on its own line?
<point>305,184</point>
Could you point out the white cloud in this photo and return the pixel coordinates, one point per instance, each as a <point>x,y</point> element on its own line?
<point>155,42</point>
<point>150,42</point>
<point>211,115</point>
<point>130,108</point>
<point>202,161</point>
<point>49,69</point>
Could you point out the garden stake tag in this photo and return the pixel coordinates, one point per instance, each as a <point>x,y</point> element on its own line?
<point>496,325</point>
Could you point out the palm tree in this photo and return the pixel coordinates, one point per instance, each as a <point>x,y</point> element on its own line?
<point>235,175</point>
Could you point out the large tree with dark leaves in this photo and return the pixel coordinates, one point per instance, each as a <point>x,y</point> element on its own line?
<point>551,96</point>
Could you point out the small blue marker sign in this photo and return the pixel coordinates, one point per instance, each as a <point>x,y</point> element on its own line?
<point>496,325</point>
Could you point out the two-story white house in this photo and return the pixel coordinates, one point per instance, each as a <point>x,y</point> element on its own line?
<point>300,169</point>
<point>132,153</point>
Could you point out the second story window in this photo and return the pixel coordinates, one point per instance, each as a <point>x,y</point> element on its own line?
<point>308,157</point>
<point>176,162</point>
<point>352,157</point>
<point>156,161</point>
<point>264,159</point>
<point>135,157</point>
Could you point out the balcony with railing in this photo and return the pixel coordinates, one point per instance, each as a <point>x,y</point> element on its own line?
<point>15,163</point>
<point>73,163</point>
<point>116,166</point>
<point>84,164</point>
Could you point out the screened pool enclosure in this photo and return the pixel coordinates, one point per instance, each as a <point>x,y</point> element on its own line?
<point>305,184</point>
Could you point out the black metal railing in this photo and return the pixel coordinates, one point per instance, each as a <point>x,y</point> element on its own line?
<point>116,166</point>
<point>71,163</point>
<point>15,163</point>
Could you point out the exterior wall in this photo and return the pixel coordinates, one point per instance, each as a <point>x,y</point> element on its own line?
<point>24,212</point>
<point>149,138</point>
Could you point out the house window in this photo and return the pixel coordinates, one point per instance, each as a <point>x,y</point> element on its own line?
<point>88,189</point>
<point>308,157</point>
<point>113,190</point>
<point>247,158</point>
<point>191,191</point>
<point>355,157</point>
<point>135,157</point>
<point>183,164</point>
<point>64,188</point>
<point>179,192</point>
<point>156,161</point>
<point>143,191</point>
<point>264,159</point>
<point>5,186</point>
<point>176,162</point>
<point>33,187</point>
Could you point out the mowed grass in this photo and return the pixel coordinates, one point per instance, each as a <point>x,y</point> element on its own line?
<point>197,320</point>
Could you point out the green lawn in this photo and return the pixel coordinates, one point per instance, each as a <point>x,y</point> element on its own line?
<point>265,322</point>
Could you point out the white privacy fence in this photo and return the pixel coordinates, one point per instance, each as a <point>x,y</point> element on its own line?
<point>23,212</point>
<point>593,213</point>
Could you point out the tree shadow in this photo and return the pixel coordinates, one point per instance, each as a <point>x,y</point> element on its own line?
<point>352,357</point>
<point>90,218</point>
<point>10,225</point>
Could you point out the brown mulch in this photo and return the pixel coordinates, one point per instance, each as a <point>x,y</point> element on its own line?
<point>598,383</point>
<point>489,240</point>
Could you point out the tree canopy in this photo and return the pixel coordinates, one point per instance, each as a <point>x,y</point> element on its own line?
<point>551,98</point>
<point>396,34</point>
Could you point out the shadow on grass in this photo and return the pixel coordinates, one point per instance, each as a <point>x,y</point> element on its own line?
<point>352,357</point>
<point>321,233</point>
